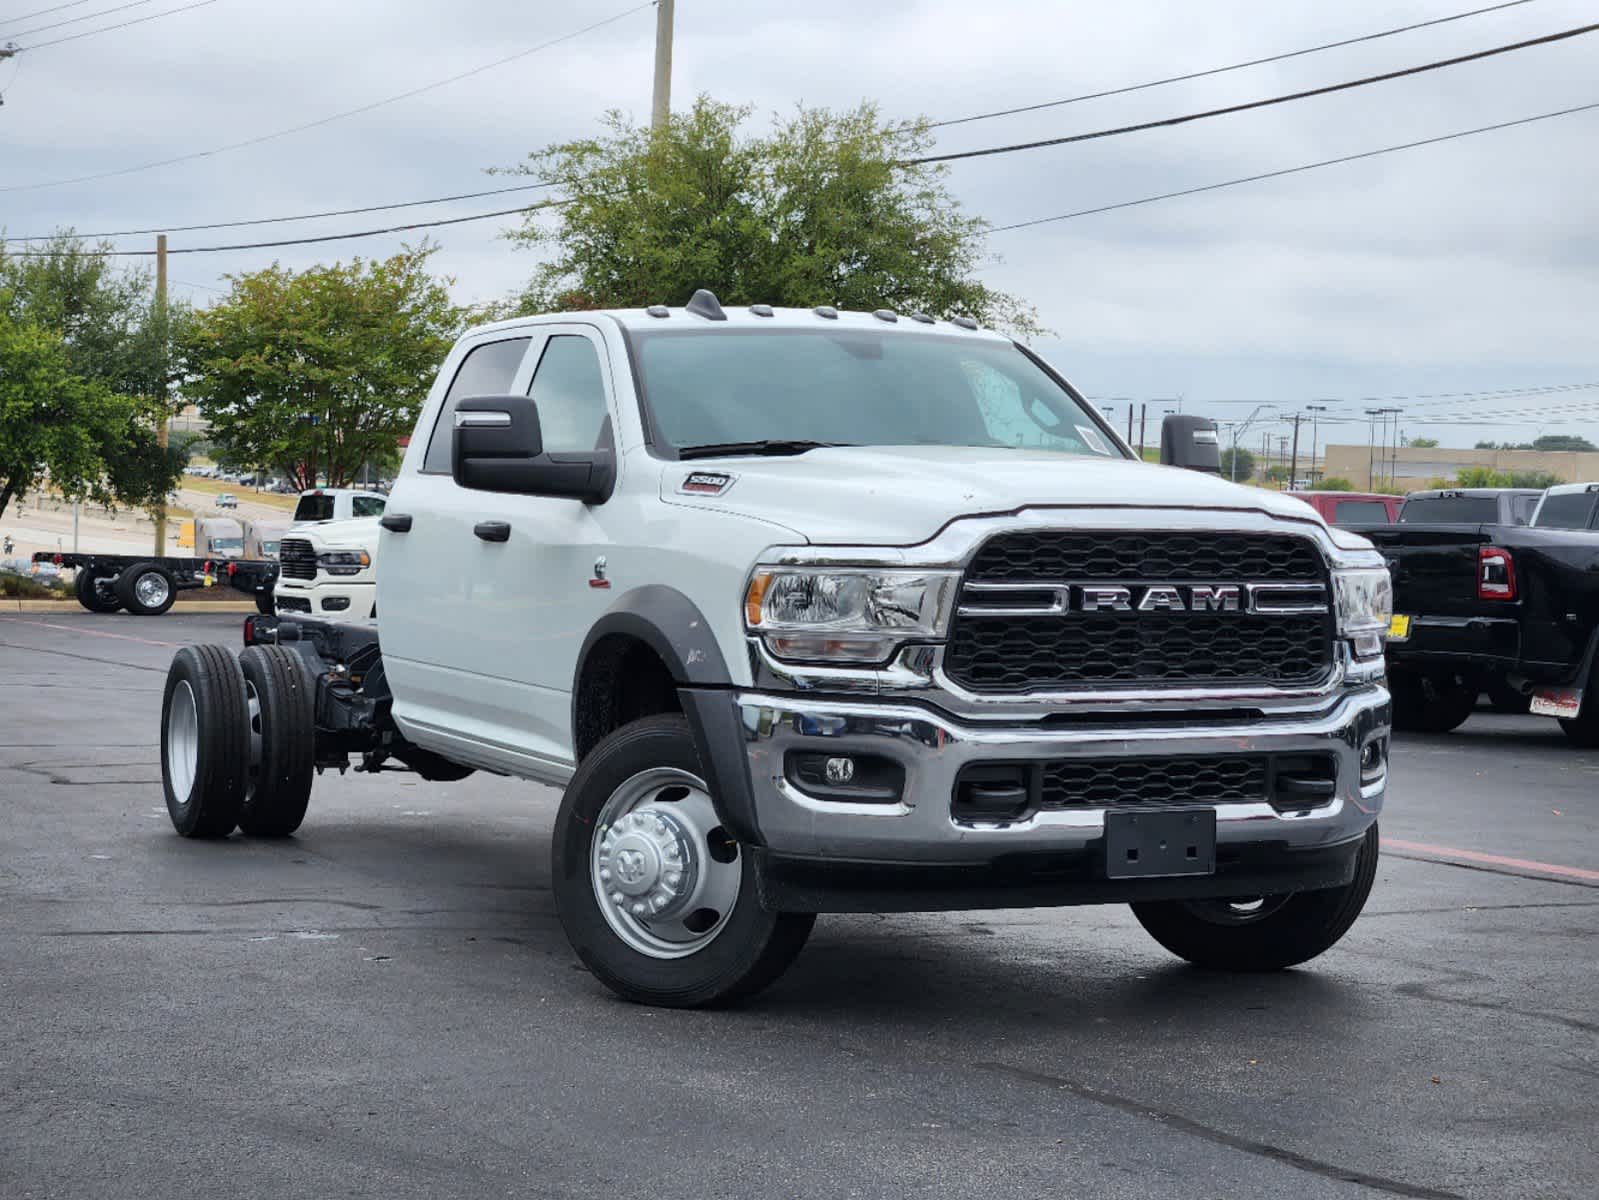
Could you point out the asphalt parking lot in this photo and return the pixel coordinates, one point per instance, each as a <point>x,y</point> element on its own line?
<point>385,1005</point>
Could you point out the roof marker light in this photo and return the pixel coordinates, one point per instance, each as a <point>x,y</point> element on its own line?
<point>963,322</point>
<point>658,310</point>
<point>761,310</point>
<point>826,310</point>
<point>922,318</point>
<point>886,314</point>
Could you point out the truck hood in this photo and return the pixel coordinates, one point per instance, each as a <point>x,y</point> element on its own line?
<point>904,495</point>
<point>353,533</point>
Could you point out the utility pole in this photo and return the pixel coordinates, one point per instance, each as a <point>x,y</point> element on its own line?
<point>1371,446</point>
<point>1129,422</point>
<point>661,108</point>
<point>1141,416</point>
<point>161,383</point>
<point>1315,411</point>
<point>1293,469</point>
<point>1393,456</point>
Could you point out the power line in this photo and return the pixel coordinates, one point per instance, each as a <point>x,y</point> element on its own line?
<point>1254,62</point>
<point>79,20</point>
<point>1418,397</point>
<point>1326,162</point>
<point>43,12</point>
<point>333,212</point>
<point>1254,104</point>
<point>73,37</point>
<point>338,116</point>
<point>327,237</point>
<point>996,229</point>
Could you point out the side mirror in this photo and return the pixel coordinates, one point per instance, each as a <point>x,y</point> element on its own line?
<point>499,447</point>
<point>1190,442</point>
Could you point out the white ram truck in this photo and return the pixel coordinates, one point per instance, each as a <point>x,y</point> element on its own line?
<point>809,611</point>
<point>328,569</point>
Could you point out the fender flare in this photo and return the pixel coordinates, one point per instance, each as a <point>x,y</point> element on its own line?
<point>671,625</point>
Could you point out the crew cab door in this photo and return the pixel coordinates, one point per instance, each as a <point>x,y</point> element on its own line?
<point>499,594</point>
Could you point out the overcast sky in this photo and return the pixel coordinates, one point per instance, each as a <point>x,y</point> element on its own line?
<point>1461,267</point>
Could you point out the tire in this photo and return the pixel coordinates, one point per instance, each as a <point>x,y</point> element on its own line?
<point>1287,930</point>
<point>1431,703</point>
<point>1506,699</point>
<point>204,741</point>
<point>663,961</point>
<point>146,589</point>
<point>91,595</point>
<point>280,712</point>
<point>1582,730</point>
<point>263,603</point>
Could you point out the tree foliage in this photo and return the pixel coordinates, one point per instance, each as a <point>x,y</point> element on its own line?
<point>89,353</point>
<point>1423,443</point>
<point>1336,483</point>
<point>819,211</point>
<point>320,371</point>
<point>1549,443</point>
<point>1243,459</point>
<point>1488,477</point>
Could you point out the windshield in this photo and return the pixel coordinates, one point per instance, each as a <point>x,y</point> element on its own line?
<point>1565,510</point>
<point>1450,510</point>
<point>227,544</point>
<point>857,388</point>
<point>270,549</point>
<point>314,507</point>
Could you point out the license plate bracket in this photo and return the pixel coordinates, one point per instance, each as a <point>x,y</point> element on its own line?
<point>1149,844</point>
<point>1556,702</point>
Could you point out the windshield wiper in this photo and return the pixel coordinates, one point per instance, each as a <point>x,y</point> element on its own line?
<point>767,446</point>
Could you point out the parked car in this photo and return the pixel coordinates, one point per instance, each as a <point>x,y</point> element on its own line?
<point>1568,506</point>
<point>1485,602</point>
<point>1352,508</point>
<point>811,611</point>
<point>227,500</point>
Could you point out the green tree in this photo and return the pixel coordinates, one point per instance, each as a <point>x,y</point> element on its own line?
<point>320,371</point>
<point>1424,443</point>
<point>113,336</point>
<point>1336,483</point>
<point>1481,477</point>
<point>50,418</point>
<point>822,210</point>
<point>1243,459</point>
<point>1562,441</point>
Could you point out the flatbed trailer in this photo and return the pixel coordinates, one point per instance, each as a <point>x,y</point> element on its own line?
<point>147,585</point>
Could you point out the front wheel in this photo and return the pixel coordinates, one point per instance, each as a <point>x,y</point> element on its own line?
<point>146,589</point>
<point>1262,933</point>
<point>655,896</point>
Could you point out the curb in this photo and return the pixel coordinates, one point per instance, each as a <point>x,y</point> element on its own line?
<point>184,607</point>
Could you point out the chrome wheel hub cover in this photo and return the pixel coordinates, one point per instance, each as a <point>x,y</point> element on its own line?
<point>647,861</point>
<point>151,589</point>
<point>665,873</point>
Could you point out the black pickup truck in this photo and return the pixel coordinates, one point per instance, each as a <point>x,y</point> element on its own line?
<point>1485,601</point>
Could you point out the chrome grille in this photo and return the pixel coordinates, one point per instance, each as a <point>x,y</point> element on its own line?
<point>1009,653</point>
<point>297,558</point>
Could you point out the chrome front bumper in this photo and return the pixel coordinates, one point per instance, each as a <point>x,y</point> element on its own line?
<point>933,749</point>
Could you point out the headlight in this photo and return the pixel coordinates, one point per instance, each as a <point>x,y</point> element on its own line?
<point>853,616</point>
<point>344,562</point>
<point>1365,601</point>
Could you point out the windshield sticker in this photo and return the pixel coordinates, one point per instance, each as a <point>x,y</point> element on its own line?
<point>1091,438</point>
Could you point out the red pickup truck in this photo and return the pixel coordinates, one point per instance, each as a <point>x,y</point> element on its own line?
<point>1353,508</point>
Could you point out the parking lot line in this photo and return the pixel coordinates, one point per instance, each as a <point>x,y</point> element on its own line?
<point>100,633</point>
<point>1447,853</point>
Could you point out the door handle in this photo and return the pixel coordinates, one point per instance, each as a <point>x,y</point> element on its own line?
<point>396,522</point>
<point>493,531</point>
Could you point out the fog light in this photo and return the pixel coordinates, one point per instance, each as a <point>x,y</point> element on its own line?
<point>1373,760</point>
<point>335,604</point>
<point>840,770</point>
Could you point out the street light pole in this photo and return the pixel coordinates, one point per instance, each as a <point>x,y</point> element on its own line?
<point>1315,411</point>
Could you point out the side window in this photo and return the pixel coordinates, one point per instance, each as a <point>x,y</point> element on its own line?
<point>487,370</point>
<point>1566,510</point>
<point>366,506</point>
<point>570,393</point>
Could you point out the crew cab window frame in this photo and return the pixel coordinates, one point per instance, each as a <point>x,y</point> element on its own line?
<point>528,338</point>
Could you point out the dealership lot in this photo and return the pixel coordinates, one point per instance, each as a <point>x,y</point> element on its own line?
<point>385,1004</point>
